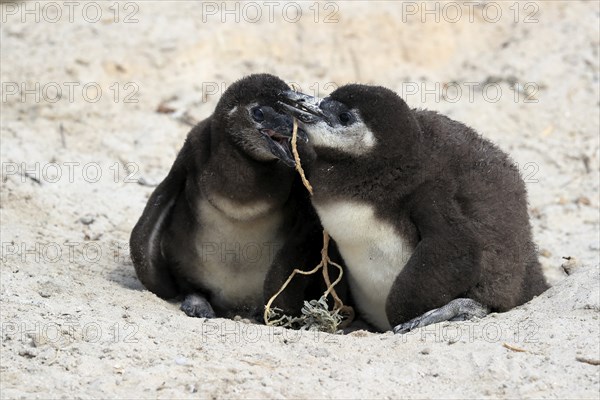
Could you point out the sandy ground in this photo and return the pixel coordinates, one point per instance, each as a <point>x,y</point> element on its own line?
<point>76,322</point>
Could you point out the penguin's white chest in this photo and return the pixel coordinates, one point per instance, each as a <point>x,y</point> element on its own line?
<point>235,256</point>
<point>373,251</point>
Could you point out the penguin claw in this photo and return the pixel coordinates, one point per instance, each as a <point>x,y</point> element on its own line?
<point>407,326</point>
<point>195,305</point>
<point>456,310</point>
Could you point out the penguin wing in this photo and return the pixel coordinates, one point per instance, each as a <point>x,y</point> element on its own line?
<point>446,262</point>
<point>153,270</point>
<point>301,250</point>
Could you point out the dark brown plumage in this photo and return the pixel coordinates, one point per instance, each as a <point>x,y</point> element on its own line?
<point>454,197</point>
<point>232,219</point>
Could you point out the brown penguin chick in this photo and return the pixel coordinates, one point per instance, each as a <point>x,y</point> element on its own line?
<point>428,216</point>
<point>231,219</point>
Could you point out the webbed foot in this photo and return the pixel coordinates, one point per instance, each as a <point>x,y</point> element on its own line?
<point>195,305</point>
<point>456,310</point>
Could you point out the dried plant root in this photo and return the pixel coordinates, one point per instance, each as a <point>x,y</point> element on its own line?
<point>315,313</point>
<point>297,158</point>
<point>514,348</point>
<point>285,284</point>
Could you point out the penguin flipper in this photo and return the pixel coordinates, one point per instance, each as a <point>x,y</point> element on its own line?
<point>457,310</point>
<point>145,241</point>
<point>153,270</point>
<point>301,250</point>
<point>445,264</point>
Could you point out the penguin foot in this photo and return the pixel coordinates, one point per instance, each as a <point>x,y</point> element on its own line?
<point>456,310</point>
<point>195,305</point>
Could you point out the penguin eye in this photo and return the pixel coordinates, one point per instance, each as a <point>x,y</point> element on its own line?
<point>257,114</point>
<point>345,118</point>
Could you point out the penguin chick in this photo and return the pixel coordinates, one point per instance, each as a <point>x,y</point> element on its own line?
<point>213,231</point>
<point>428,216</point>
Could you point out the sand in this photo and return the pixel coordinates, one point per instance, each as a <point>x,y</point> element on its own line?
<point>78,168</point>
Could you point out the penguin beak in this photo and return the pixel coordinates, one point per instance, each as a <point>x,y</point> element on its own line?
<point>302,106</point>
<point>279,136</point>
<point>280,146</point>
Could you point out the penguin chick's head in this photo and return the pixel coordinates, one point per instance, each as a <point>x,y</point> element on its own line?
<point>355,119</point>
<point>247,114</point>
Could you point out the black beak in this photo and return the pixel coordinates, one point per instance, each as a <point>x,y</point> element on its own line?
<point>302,106</point>
<point>278,133</point>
